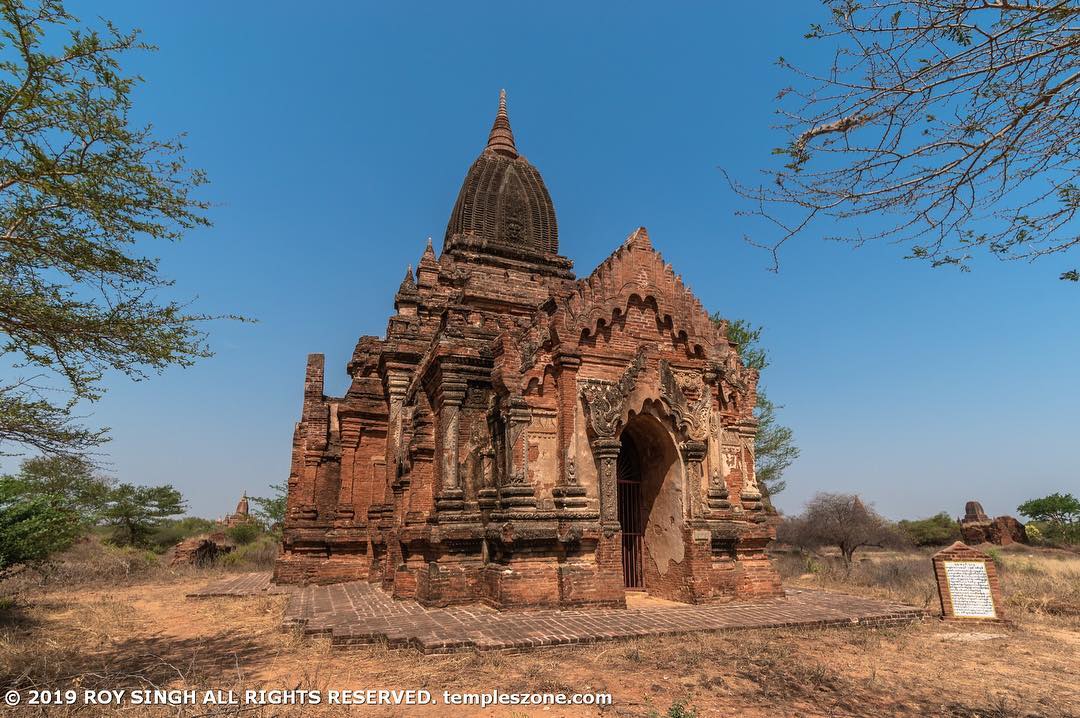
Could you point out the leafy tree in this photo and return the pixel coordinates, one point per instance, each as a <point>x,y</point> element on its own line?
<point>271,510</point>
<point>1060,513</point>
<point>946,126</point>
<point>243,533</point>
<point>70,479</point>
<point>937,530</point>
<point>135,511</point>
<point>840,520</point>
<point>79,186</point>
<point>774,447</point>
<point>748,337</point>
<point>32,528</point>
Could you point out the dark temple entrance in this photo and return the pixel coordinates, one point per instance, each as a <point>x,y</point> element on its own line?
<point>631,514</point>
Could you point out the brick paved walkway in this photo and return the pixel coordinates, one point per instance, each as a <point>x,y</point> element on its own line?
<point>359,613</point>
<point>243,584</point>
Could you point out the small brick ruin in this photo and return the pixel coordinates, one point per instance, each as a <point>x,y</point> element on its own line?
<point>521,437</point>
<point>977,528</point>
<point>204,550</point>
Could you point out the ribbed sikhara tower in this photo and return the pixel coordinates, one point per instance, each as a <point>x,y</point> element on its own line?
<point>521,437</point>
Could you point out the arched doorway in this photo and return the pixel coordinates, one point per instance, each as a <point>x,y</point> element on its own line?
<point>649,490</point>
<point>631,514</point>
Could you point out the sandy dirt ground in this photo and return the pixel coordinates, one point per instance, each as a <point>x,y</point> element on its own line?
<point>150,635</point>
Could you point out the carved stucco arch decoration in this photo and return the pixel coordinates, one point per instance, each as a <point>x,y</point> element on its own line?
<point>604,404</point>
<point>536,348</point>
<point>688,468</point>
<point>536,343</point>
<point>610,405</point>
<point>690,417</point>
<point>605,401</point>
<point>736,382</point>
<point>652,404</point>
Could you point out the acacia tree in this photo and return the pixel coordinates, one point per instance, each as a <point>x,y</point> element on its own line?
<point>774,445</point>
<point>79,186</point>
<point>1060,513</point>
<point>947,126</point>
<point>72,480</point>
<point>840,520</point>
<point>135,511</point>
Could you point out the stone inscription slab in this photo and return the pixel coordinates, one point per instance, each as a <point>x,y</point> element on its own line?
<point>969,589</point>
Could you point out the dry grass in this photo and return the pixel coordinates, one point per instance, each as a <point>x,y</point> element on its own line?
<point>141,632</point>
<point>92,563</point>
<point>1034,581</point>
<point>897,576</point>
<point>1043,583</point>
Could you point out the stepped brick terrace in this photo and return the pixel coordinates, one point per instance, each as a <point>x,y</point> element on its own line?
<point>358,613</point>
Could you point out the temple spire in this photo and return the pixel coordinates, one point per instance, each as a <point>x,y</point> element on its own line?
<point>427,259</point>
<point>501,139</point>
<point>408,284</point>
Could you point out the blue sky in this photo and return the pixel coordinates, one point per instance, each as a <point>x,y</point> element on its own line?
<point>336,136</point>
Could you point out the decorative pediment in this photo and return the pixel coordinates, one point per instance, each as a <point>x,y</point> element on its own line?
<point>637,273</point>
<point>634,277</point>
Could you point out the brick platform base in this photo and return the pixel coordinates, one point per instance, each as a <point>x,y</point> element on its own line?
<point>359,613</point>
<point>244,584</point>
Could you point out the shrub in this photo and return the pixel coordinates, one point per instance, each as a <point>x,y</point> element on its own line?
<point>32,528</point>
<point>939,530</point>
<point>91,561</point>
<point>243,534</point>
<point>259,554</point>
<point>172,531</point>
<point>1034,535</point>
<point>678,709</point>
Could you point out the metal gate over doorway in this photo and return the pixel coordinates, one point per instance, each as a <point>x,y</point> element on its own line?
<point>628,480</point>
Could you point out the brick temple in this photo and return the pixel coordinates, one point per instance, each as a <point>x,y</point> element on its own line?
<point>522,437</point>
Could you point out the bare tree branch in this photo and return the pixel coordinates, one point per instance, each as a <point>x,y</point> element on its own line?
<point>945,126</point>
